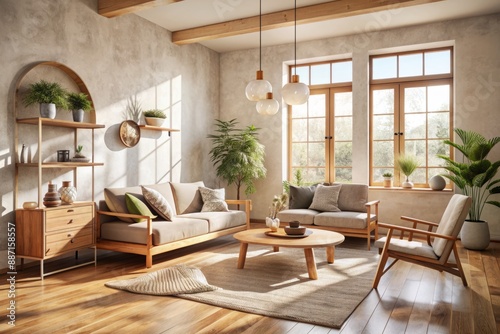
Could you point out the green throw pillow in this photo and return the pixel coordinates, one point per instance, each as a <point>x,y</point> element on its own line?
<point>136,206</point>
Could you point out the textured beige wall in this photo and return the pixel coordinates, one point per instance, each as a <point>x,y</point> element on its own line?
<point>477,97</point>
<point>117,59</point>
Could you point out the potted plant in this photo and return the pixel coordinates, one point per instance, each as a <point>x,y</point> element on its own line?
<point>387,179</point>
<point>278,204</point>
<point>407,164</point>
<point>50,95</point>
<point>237,155</point>
<point>79,157</point>
<point>154,117</point>
<point>475,176</point>
<point>78,103</point>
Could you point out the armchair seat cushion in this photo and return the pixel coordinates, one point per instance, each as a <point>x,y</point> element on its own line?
<point>304,216</point>
<point>344,219</point>
<point>408,247</point>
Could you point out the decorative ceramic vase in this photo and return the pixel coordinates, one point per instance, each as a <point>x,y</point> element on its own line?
<point>48,110</point>
<point>52,197</point>
<point>437,182</point>
<point>78,115</point>
<point>67,193</point>
<point>23,157</point>
<point>273,223</point>
<point>475,235</point>
<point>407,184</point>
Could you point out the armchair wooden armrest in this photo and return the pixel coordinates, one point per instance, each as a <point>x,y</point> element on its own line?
<point>371,203</point>
<point>416,231</point>
<point>149,234</point>
<point>248,207</point>
<point>415,223</point>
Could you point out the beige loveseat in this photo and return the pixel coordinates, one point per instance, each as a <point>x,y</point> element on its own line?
<point>340,207</point>
<point>184,223</point>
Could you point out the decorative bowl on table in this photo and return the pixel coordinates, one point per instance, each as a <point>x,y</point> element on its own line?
<point>295,230</point>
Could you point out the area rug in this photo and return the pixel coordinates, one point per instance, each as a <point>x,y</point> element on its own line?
<point>276,284</point>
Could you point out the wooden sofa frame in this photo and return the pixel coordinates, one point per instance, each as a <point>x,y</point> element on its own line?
<point>149,249</point>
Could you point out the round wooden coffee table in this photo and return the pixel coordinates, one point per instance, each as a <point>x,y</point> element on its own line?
<point>317,239</point>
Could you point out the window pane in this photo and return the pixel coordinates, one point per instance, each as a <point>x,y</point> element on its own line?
<point>383,127</point>
<point>342,72</point>
<point>383,101</point>
<point>317,154</point>
<point>317,105</point>
<point>299,156</point>
<point>320,74</point>
<point>343,174</point>
<point>303,73</point>
<point>410,65</point>
<point>379,172</point>
<point>415,99</point>
<point>299,111</point>
<point>384,67</point>
<point>299,130</point>
<point>343,128</point>
<point>438,62</point>
<point>383,153</point>
<point>439,125</point>
<point>314,175</point>
<point>317,129</point>
<point>343,104</point>
<point>343,154</point>
<point>415,126</point>
<point>439,98</point>
<point>416,148</point>
<point>437,147</point>
<point>418,176</point>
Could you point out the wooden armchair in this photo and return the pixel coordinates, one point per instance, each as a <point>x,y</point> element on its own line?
<point>434,250</point>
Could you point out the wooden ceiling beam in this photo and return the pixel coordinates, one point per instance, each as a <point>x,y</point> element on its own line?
<point>113,8</point>
<point>308,14</point>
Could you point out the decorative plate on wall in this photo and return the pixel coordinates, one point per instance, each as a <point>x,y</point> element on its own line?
<point>130,133</point>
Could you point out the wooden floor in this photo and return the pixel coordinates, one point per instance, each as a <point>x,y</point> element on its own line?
<point>410,299</point>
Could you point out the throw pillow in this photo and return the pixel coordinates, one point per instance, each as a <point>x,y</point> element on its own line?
<point>158,202</point>
<point>301,197</point>
<point>187,196</point>
<point>326,198</point>
<point>136,206</point>
<point>213,199</point>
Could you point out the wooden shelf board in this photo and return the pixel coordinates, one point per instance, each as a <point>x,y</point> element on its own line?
<point>157,128</point>
<point>59,123</point>
<point>61,164</point>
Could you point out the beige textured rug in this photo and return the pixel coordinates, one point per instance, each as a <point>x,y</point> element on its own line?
<point>274,284</point>
<point>277,284</point>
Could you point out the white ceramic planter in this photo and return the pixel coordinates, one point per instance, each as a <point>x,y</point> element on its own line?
<point>475,235</point>
<point>154,121</point>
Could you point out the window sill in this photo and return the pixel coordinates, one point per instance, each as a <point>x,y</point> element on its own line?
<point>444,191</point>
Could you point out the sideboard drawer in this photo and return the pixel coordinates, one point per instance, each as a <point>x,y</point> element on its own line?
<point>69,240</point>
<point>65,218</point>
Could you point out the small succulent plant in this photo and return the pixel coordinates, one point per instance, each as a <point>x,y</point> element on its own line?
<point>154,113</point>
<point>78,152</point>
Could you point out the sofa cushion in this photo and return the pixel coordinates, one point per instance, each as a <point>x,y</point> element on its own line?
<point>343,219</point>
<point>187,197</point>
<point>326,198</point>
<point>301,197</point>
<point>158,202</point>
<point>219,220</point>
<point>213,199</point>
<point>137,207</point>
<point>353,196</point>
<point>163,231</point>
<point>304,216</point>
<point>115,199</point>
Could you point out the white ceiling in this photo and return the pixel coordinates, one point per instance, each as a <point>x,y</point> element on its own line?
<point>194,13</point>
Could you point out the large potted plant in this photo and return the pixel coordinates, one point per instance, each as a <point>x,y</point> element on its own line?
<point>78,103</point>
<point>407,164</point>
<point>475,176</point>
<point>50,95</point>
<point>237,155</point>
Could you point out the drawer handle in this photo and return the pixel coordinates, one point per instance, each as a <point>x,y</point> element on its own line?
<point>72,241</point>
<point>71,210</point>
<point>70,221</point>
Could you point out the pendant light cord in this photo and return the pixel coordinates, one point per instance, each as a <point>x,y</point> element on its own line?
<point>295,39</point>
<point>260,35</point>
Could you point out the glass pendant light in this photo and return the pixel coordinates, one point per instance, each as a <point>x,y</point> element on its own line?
<point>268,106</point>
<point>257,89</point>
<point>295,92</point>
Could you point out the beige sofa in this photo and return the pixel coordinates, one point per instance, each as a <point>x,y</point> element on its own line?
<point>188,224</point>
<point>344,209</point>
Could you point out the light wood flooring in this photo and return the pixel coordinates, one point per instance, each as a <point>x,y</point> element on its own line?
<point>410,299</point>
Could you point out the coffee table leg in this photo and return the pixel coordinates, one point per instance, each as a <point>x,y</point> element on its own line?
<point>243,255</point>
<point>330,254</point>
<point>311,263</point>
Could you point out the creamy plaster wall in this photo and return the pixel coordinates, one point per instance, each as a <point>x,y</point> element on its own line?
<point>117,59</point>
<point>477,97</point>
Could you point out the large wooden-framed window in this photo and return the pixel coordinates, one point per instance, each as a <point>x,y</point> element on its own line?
<point>411,112</point>
<point>320,131</point>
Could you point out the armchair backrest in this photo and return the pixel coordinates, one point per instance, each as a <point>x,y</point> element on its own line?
<point>451,223</point>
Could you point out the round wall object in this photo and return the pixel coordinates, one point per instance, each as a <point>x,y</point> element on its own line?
<point>437,182</point>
